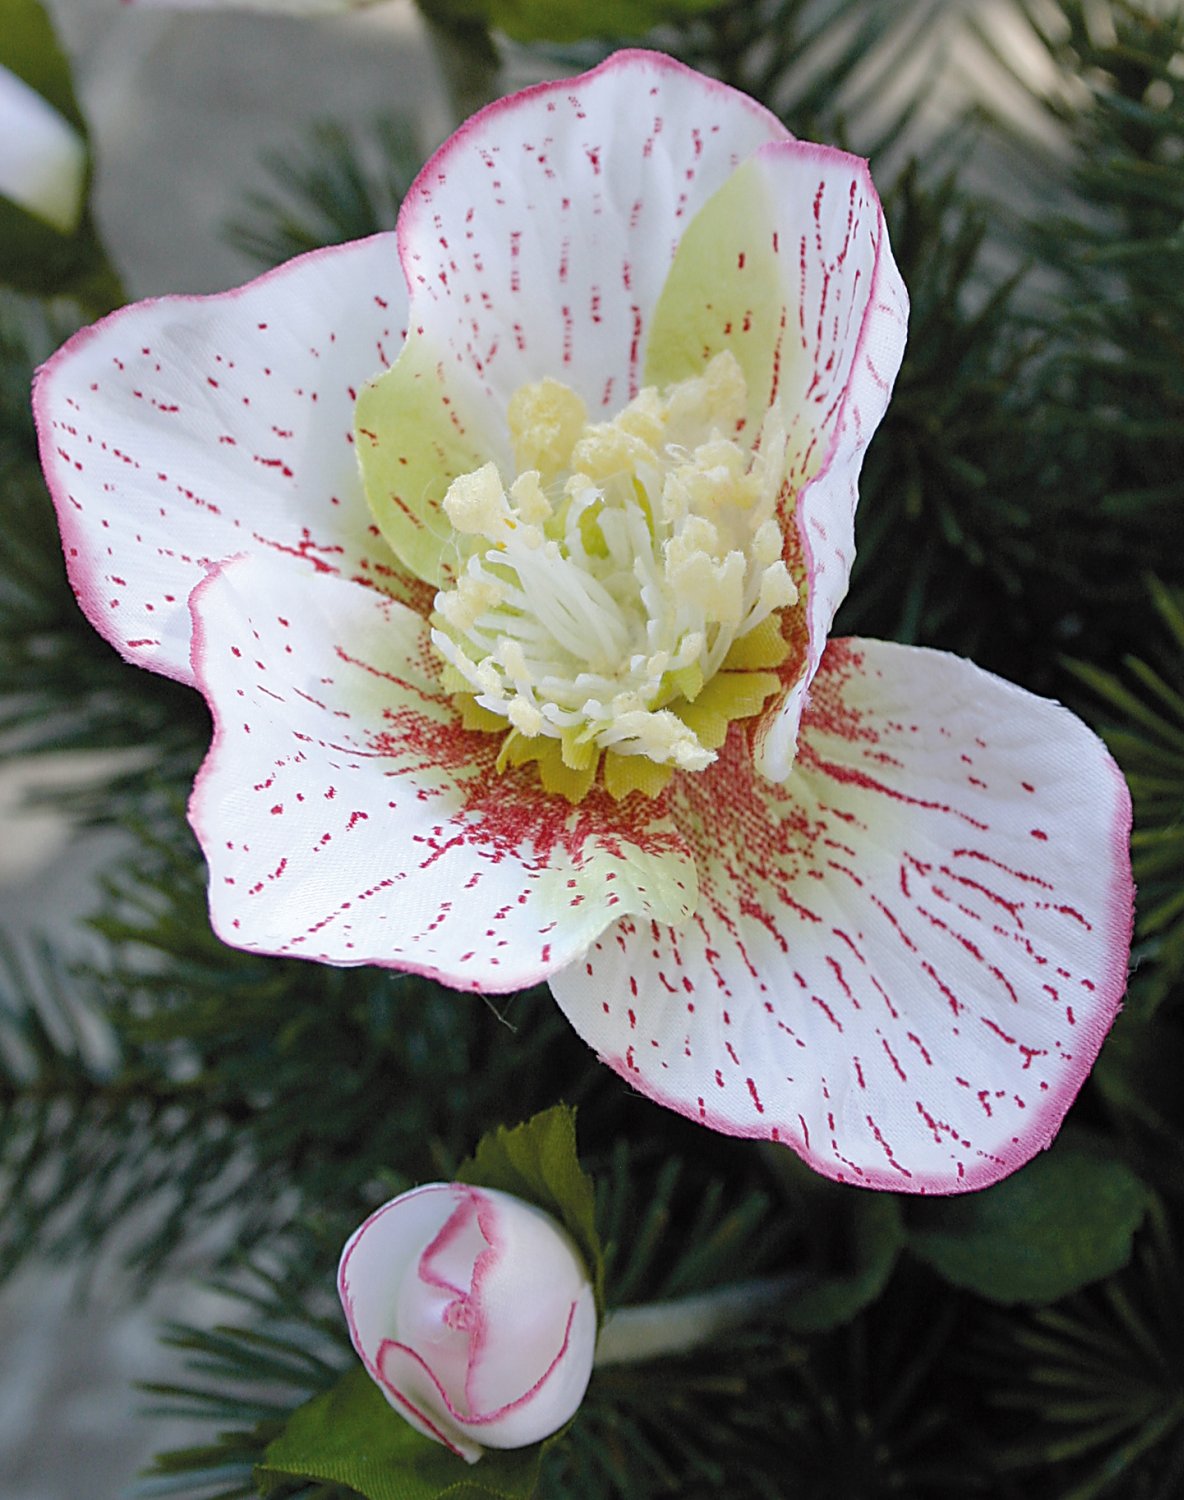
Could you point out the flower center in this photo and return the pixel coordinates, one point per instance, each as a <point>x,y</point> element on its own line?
<point>619,602</point>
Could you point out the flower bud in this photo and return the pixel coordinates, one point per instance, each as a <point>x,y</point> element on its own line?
<point>474,1313</point>
<point>42,156</point>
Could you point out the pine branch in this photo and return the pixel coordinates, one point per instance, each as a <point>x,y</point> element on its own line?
<point>1094,1399</point>
<point>1145,707</point>
<point>333,188</point>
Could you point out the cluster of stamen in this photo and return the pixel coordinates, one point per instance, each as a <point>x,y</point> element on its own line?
<point>627,567</point>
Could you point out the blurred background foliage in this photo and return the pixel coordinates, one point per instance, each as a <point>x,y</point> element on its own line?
<point>1022,504</point>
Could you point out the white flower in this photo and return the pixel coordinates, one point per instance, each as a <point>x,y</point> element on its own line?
<point>545,692</point>
<point>474,1313</point>
<point>42,156</point>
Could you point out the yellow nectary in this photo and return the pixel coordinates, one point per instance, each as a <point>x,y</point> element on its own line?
<point>620,600</point>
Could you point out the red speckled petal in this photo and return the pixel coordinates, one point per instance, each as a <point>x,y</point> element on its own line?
<point>347,817</point>
<point>846,339</point>
<point>789,268</point>
<point>182,431</point>
<point>905,958</point>
<point>536,241</point>
<point>855,336</point>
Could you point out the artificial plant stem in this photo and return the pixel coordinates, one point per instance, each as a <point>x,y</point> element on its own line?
<point>101,292</point>
<point>467,57</point>
<point>654,1329</point>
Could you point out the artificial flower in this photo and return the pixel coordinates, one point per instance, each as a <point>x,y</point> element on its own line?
<point>42,156</point>
<point>473,1312</point>
<point>505,550</point>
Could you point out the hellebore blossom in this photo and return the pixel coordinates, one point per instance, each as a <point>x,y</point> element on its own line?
<point>42,156</point>
<point>474,1313</point>
<point>518,654</point>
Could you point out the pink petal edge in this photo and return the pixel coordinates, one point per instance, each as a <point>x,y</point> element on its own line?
<point>418,197</point>
<point>478,1419</point>
<point>86,557</point>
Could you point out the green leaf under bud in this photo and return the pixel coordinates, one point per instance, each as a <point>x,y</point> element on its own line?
<point>351,1436</point>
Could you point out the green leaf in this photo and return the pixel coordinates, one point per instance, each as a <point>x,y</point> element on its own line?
<point>1063,1221</point>
<point>351,1436</point>
<point>876,1236</point>
<point>537,1161</point>
<point>37,258</point>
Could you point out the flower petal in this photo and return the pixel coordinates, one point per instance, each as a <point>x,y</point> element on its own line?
<point>182,431</point>
<point>788,266</point>
<point>379,1257</point>
<point>907,956</point>
<point>375,1266</point>
<point>410,1385</point>
<point>348,817</point>
<point>535,243</point>
<point>825,512</point>
<point>535,1300</point>
<point>42,156</point>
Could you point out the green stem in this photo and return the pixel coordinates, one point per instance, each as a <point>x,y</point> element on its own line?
<point>101,292</point>
<point>467,57</point>
<point>657,1329</point>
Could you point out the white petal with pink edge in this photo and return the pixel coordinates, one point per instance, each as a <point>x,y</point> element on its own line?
<point>179,432</point>
<point>379,1258</point>
<point>347,816</point>
<point>905,958</point>
<point>537,239</point>
<point>851,409</point>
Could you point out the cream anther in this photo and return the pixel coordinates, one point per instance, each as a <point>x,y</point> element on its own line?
<point>475,595</point>
<point>510,655</point>
<point>608,450</point>
<point>476,503</point>
<point>529,498</point>
<point>766,543</point>
<point>697,535</point>
<point>524,716</point>
<point>777,588</point>
<point>545,421</point>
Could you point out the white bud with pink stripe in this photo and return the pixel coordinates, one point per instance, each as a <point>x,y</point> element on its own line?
<point>474,1313</point>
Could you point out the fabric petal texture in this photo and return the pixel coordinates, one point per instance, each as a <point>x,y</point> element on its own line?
<point>182,431</point>
<point>906,958</point>
<point>474,1313</point>
<point>347,816</point>
<point>583,187</point>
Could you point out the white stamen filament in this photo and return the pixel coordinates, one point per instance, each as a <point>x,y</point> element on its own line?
<point>627,552</point>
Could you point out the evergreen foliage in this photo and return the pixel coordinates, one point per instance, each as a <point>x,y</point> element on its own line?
<point>1022,504</point>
